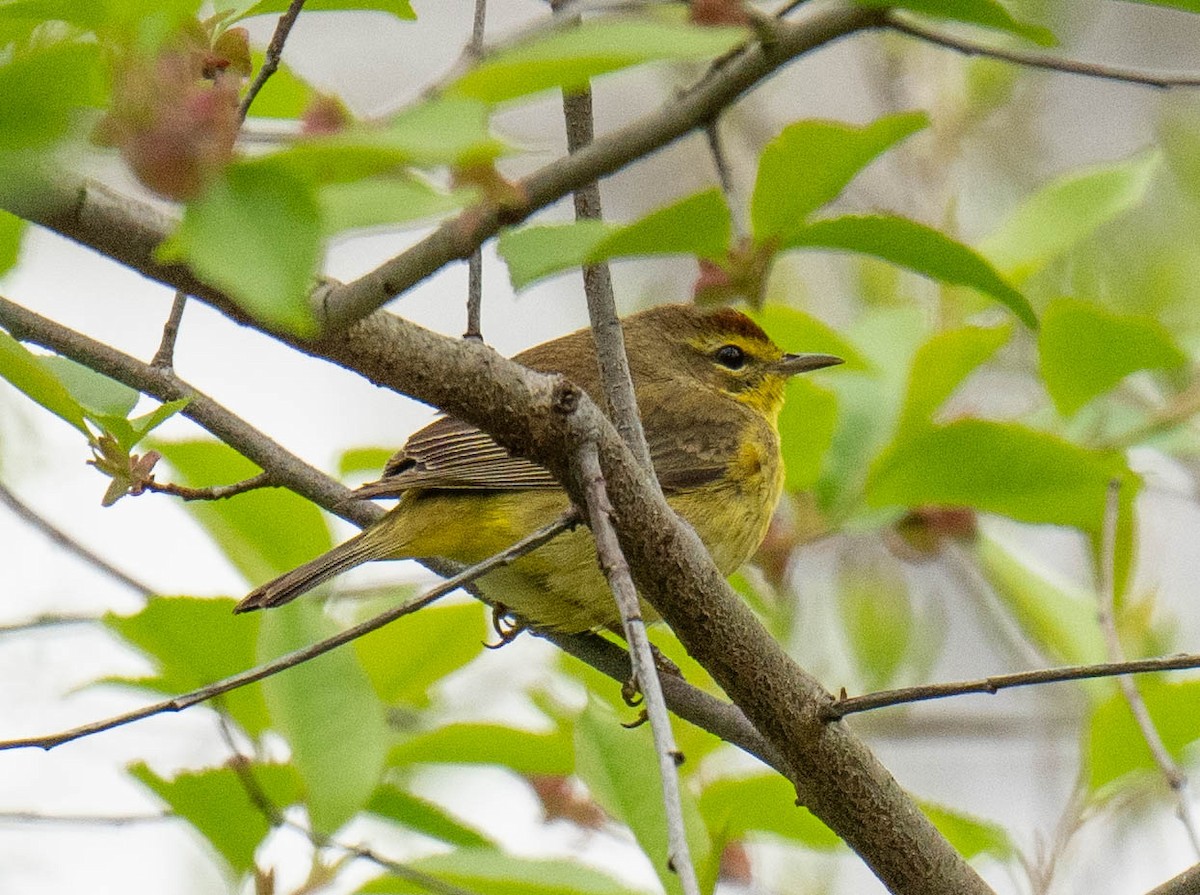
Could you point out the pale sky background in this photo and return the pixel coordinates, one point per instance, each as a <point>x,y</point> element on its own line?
<point>317,410</point>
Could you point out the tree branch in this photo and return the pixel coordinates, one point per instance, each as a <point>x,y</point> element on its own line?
<point>1186,883</point>
<point>165,355</point>
<point>212,492</point>
<point>272,57</point>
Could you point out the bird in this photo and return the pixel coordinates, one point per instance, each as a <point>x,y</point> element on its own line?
<point>709,384</point>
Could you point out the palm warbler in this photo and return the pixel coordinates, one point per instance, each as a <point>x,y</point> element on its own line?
<point>709,386</point>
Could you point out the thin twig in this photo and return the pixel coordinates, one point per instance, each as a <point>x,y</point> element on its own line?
<point>725,177</point>
<point>616,570</point>
<point>474,50</point>
<point>869,702</point>
<point>272,57</point>
<point>1161,80</point>
<point>1106,615</point>
<point>164,357</point>
<point>90,820</point>
<point>250,676</point>
<point>243,768</point>
<point>212,492</point>
<point>36,521</point>
<point>47,621</point>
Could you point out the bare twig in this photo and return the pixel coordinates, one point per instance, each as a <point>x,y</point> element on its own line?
<point>1186,883</point>
<point>47,621</point>
<point>616,570</point>
<point>869,702</point>
<point>164,357</point>
<point>203,694</point>
<point>474,50</point>
<point>272,57</point>
<point>1161,80</point>
<point>725,177</point>
<point>87,820</point>
<point>1106,614</point>
<point>212,492</point>
<point>36,521</point>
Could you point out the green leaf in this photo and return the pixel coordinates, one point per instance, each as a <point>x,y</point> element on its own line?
<point>406,658</point>
<point>620,768</point>
<point>143,425</point>
<point>1056,616</point>
<point>365,459</point>
<point>384,202</point>
<point>698,225</point>
<point>195,642</point>
<point>877,616</point>
<point>940,366</point>
<point>497,873</point>
<point>806,427</point>
<point>532,253</point>
<point>401,9</point>
<point>264,532</point>
<point>422,816</point>
<point>809,164</point>
<point>328,712</point>
<point>215,801</point>
<point>1116,747</point>
<point>523,751</point>
<point>970,836</point>
<point>44,91</point>
<point>30,375</point>
<point>94,391</point>
<point>916,247</point>
<point>12,228</point>
<point>1064,213</point>
<point>763,803</point>
<point>570,57</point>
<point>1086,350</point>
<point>798,331</point>
<point>1001,468</point>
<point>985,13</point>
<point>255,233</point>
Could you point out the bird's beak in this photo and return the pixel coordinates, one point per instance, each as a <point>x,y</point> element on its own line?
<point>791,364</point>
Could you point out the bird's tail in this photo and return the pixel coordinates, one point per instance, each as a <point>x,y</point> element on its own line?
<point>356,551</point>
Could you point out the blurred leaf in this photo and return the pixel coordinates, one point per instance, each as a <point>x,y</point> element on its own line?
<point>916,247</point>
<point>264,532</point>
<point>798,331</point>
<point>523,751</point>
<point>1057,617</point>
<point>216,803</point>
<point>328,712</point>
<point>569,57</point>
<point>367,459</point>
<point>970,836</point>
<point>620,768</point>
<point>806,426</point>
<point>1086,350</point>
<point>285,95</point>
<point>255,234</point>
<point>406,658</point>
<point>497,873</point>
<point>532,253</point>
<point>401,9</point>
<point>422,816</point>
<point>1117,747</point>
<point>1001,468</point>
<point>94,391</point>
<point>735,806</point>
<point>195,642</point>
<point>12,228</point>
<point>1065,212</point>
<point>985,13</point>
<point>877,615</point>
<point>384,202</point>
<point>30,375</point>
<point>43,92</point>
<point>809,164</point>
<point>698,225</point>
<point>940,366</point>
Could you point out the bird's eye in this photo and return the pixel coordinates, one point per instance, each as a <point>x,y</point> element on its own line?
<point>731,356</point>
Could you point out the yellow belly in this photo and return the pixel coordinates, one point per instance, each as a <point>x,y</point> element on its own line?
<point>560,585</point>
